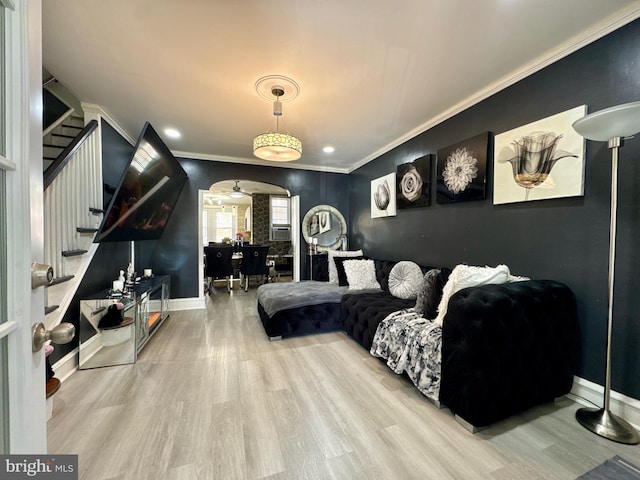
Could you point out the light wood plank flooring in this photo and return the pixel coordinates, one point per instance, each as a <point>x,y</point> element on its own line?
<point>212,398</point>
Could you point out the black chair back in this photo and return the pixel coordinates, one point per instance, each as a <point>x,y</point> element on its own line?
<point>218,261</point>
<point>254,260</point>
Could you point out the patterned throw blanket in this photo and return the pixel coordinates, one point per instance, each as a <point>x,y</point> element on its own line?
<point>411,344</point>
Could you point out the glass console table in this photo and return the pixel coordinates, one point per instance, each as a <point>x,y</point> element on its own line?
<point>145,307</point>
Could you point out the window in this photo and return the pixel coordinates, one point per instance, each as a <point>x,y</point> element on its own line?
<point>280,210</point>
<point>218,223</point>
<point>224,226</point>
<point>279,218</point>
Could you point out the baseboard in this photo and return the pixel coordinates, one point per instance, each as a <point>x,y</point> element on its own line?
<point>589,394</point>
<point>67,365</point>
<point>193,303</point>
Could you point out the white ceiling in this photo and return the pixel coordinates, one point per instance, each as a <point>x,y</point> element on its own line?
<point>372,73</point>
<point>219,192</point>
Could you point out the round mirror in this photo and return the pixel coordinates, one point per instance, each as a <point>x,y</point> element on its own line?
<point>326,224</point>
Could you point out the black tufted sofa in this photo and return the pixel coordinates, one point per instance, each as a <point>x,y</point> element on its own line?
<point>506,348</point>
<point>361,313</point>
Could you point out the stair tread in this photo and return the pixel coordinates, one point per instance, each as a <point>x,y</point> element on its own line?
<point>62,135</point>
<point>58,280</point>
<point>53,385</point>
<point>86,230</point>
<point>50,308</point>
<point>73,253</point>
<point>97,211</point>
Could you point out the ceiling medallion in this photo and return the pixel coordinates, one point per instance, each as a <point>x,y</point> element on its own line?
<point>264,87</point>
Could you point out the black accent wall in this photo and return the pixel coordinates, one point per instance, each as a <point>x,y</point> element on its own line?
<point>176,253</point>
<point>561,239</point>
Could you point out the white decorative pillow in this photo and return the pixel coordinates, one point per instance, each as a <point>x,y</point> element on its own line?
<point>361,274</point>
<point>405,279</point>
<point>464,276</point>
<point>333,271</point>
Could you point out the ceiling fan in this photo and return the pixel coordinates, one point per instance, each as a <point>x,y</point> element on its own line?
<point>237,192</point>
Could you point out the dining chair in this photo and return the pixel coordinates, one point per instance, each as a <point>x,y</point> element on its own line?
<point>218,264</point>
<point>254,262</point>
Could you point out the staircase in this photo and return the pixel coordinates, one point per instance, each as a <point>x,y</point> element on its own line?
<point>72,168</point>
<point>59,135</point>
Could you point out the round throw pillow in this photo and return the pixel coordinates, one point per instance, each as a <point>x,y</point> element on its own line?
<point>405,280</point>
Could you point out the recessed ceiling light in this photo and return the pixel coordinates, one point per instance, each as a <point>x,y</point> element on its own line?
<point>328,149</point>
<point>172,133</point>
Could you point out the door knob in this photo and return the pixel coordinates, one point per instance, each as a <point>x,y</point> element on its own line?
<point>41,275</point>
<point>62,333</point>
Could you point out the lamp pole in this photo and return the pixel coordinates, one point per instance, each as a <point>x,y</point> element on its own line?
<point>602,421</point>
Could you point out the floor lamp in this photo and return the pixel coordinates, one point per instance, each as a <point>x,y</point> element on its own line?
<point>610,125</point>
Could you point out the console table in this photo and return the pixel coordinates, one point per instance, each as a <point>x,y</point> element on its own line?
<point>145,308</point>
<point>316,267</point>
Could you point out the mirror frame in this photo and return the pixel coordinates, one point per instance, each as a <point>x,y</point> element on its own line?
<point>306,221</point>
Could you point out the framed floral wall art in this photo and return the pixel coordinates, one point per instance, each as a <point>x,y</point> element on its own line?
<point>462,170</point>
<point>413,183</point>
<point>383,196</point>
<point>540,160</point>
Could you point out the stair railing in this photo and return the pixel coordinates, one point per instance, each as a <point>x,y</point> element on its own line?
<point>72,188</point>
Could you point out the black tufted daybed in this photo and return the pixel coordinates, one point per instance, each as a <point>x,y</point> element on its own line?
<point>335,308</point>
<point>501,349</point>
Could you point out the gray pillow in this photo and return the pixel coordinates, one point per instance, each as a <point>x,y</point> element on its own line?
<point>425,290</point>
<point>434,292</point>
<point>405,279</point>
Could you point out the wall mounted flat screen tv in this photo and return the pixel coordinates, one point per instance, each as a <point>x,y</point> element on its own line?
<point>146,193</point>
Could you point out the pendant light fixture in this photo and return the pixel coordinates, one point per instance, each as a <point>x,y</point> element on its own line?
<point>278,147</point>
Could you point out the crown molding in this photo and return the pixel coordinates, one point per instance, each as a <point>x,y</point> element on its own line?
<point>98,112</point>
<point>263,163</point>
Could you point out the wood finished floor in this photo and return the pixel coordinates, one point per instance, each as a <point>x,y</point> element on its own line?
<point>212,398</point>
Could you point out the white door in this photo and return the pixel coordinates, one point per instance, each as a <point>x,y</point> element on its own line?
<point>22,373</point>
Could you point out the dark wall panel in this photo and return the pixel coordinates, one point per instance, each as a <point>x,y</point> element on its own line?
<point>176,253</point>
<point>563,239</point>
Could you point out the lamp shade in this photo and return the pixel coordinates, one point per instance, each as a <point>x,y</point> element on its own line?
<point>277,147</point>
<point>619,121</point>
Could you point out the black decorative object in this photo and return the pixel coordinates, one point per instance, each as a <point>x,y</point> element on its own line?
<point>114,316</point>
<point>413,183</point>
<point>462,170</point>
